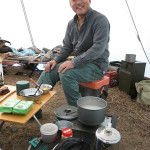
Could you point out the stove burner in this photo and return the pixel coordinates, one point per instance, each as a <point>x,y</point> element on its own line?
<point>77,125</point>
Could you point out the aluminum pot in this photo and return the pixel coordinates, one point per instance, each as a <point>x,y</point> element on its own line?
<point>28,94</point>
<point>91,110</point>
<point>64,124</point>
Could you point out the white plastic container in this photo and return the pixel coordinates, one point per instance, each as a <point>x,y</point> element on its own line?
<point>49,132</point>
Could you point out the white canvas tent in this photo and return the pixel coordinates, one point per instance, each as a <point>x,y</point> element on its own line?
<point>48,20</point>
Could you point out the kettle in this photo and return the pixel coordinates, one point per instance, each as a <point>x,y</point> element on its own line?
<point>107,138</point>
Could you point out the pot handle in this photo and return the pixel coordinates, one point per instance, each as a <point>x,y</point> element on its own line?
<point>109,125</point>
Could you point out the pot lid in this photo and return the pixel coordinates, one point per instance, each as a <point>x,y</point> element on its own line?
<point>108,135</point>
<point>66,112</point>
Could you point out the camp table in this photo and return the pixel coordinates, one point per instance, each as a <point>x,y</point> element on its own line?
<point>22,119</point>
<point>33,64</point>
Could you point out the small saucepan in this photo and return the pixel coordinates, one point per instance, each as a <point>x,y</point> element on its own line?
<point>64,124</point>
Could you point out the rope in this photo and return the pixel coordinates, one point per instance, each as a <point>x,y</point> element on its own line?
<point>138,36</point>
<point>27,22</point>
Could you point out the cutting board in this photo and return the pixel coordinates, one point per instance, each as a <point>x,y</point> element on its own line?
<point>12,90</point>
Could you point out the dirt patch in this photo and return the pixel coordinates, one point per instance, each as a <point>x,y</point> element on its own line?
<point>132,121</point>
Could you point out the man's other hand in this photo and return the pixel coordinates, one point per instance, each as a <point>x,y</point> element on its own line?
<point>65,66</point>
<point>50,65</point>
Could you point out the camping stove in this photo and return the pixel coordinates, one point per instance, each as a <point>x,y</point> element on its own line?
<point>91,133</point>
<point>77,125</point>
<point>67,112</point>
<point>99,142</point>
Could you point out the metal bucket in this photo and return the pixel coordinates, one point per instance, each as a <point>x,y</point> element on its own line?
<point>130,58</point>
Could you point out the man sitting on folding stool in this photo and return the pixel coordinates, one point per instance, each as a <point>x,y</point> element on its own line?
<point>87,36</point>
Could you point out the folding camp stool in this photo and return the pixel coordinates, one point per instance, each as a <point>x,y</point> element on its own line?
<point>97,88</point>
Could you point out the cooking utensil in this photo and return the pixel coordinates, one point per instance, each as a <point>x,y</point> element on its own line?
<point>44,87</point>
<point>64,124</point>
<point>37,89</point>
<point>33,81</point>
<point>91,110</point>
<point>49,132</point>
<point>66,112</point>
<point>28,94</point>
<point>107,137</point>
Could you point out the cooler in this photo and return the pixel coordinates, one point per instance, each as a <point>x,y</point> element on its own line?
<point>97,88</point>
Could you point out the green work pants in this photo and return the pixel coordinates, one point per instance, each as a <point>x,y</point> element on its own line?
<point>71,78</point>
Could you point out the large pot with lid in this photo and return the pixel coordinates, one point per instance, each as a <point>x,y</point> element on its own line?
<point>91,110</point>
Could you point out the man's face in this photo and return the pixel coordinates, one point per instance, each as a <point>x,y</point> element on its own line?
<point>80,7</point>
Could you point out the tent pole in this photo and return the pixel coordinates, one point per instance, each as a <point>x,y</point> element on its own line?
<point>138,36</point>
<point>27,22</point>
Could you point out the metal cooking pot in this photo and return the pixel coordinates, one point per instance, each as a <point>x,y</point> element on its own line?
<point>29,94</point>
<point>64,124</point>
<point>91,110</point>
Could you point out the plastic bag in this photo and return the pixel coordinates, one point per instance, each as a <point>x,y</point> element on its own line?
<point>8,105</point>
<point>23,107</point>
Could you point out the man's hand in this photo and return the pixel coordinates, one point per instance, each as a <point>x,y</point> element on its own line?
<point>50,65</point>
<point>65,66</point>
